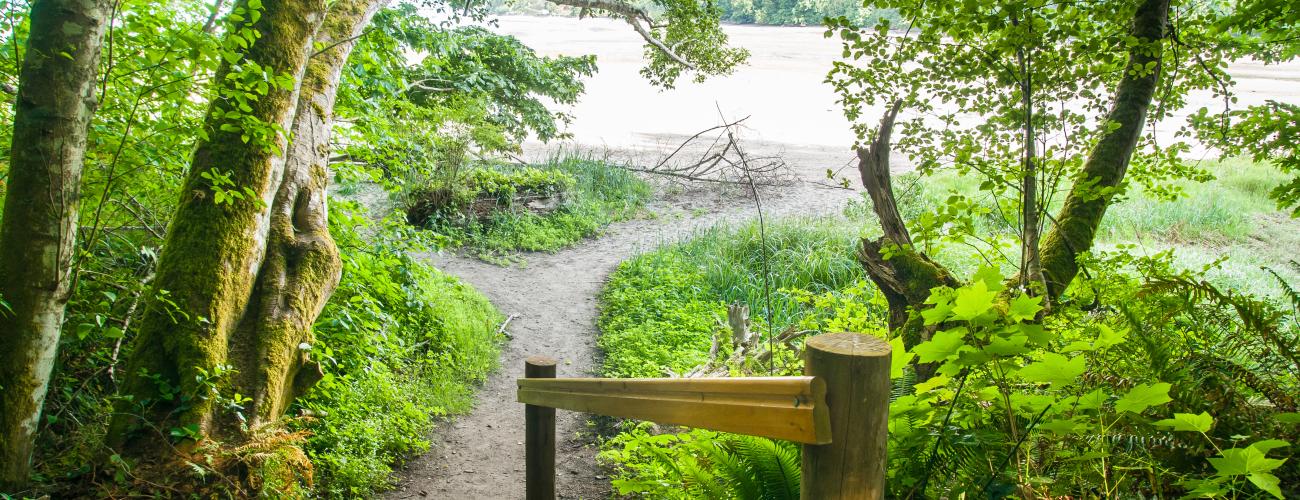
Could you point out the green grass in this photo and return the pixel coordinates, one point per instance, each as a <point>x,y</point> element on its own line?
<point>1230,216</point>
<point>660,309</point>
<point>401,344</point>
<point>603,194</point>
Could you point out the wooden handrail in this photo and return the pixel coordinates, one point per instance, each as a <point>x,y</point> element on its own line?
<point>847,370</point>
<point>791,408</point>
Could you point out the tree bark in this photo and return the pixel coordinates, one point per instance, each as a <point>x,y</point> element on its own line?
<point>1103,172</point>
<point>906,276</point>
<point>56,99</point>
<point>213,252</point>
<point>302,265</point>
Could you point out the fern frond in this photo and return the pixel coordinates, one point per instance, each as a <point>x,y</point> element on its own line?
<point>1287,289</point>
<point>734,472</point>
<point>775,464</point>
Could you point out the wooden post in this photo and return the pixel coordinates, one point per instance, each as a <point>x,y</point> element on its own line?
<point>855,368</point>
<point>539,437</point>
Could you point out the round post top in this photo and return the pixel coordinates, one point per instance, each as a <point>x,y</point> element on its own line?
<point>539,360</point>
<point>850,344</point>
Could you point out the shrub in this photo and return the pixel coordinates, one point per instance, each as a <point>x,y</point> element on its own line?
<point>1147,380</point>
<point>401,344</point>
<point>581,196</point>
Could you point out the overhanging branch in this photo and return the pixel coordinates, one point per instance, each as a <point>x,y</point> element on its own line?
<point>637,17</point>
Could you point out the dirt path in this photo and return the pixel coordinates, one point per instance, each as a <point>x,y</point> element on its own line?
<point>552,299</point>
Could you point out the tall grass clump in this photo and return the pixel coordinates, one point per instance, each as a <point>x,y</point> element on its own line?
<point>1219,211</point>
<point>803,253</point>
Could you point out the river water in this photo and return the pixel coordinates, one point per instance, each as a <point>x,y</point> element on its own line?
<point>781,90</point>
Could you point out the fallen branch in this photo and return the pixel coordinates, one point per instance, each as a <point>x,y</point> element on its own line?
<point>721,159</point>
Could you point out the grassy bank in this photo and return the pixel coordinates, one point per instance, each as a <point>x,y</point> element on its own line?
<point>401,344</point>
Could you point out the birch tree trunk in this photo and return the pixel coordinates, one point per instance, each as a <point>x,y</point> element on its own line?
<point>55,101</point>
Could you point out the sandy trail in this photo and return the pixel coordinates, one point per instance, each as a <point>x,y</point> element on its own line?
<point>553,301</point>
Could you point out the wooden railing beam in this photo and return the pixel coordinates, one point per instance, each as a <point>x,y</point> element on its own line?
<point>791,408</point>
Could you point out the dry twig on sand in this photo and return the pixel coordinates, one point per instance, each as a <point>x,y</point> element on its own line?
<point>715,155</point>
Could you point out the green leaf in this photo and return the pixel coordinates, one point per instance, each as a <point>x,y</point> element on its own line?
<point>113,332</point>
<point>1188,422</point>
<point>1266,482</point>
<point>1055,369</point>
<point>973,301</point>
<point>1024,307</point>
<point>1143,396</point>
<point>1288,418</point>
<point>1092,400</point>
<point>1036,333</point>
<point>899,357</point>
<point>1060,426</point>
<point>991,277</point>
<point>1007,346</point>
<point>1107,337</point>
<point>1242,461</point>
<point>942,345</point>
<point>1269,444</point>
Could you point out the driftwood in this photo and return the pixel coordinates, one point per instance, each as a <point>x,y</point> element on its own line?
<point>738,320</point>
<point>716,155</point>
<point>752,353</point>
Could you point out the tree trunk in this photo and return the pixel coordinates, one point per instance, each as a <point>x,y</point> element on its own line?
<point>302,264</point>
<point>906,276</point>
<point>213,252</point>
<point>294,264</point>
<point>1103,173</point>
<point>55,101</point>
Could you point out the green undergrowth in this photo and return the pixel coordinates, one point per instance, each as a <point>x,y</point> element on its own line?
<point>1160,317</point>
<point>660,309</point>
<point>591,195</point>
<point>401,344</point>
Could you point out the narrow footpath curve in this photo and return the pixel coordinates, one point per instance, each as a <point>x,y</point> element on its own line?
<point>553,301</point>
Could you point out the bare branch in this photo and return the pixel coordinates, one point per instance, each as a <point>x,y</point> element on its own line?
<point>873,164</point>
<point>211,25</point>
<point>721,160</point>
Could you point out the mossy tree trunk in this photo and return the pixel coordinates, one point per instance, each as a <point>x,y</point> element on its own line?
<point>239,284</point>
<point>1103,173</point>
<point>55,101</point>
<point>906,275</point>
<point>302,266</point>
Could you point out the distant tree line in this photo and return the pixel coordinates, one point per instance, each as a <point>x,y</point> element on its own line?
<point>800,12</point>
<point>772,12</point>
